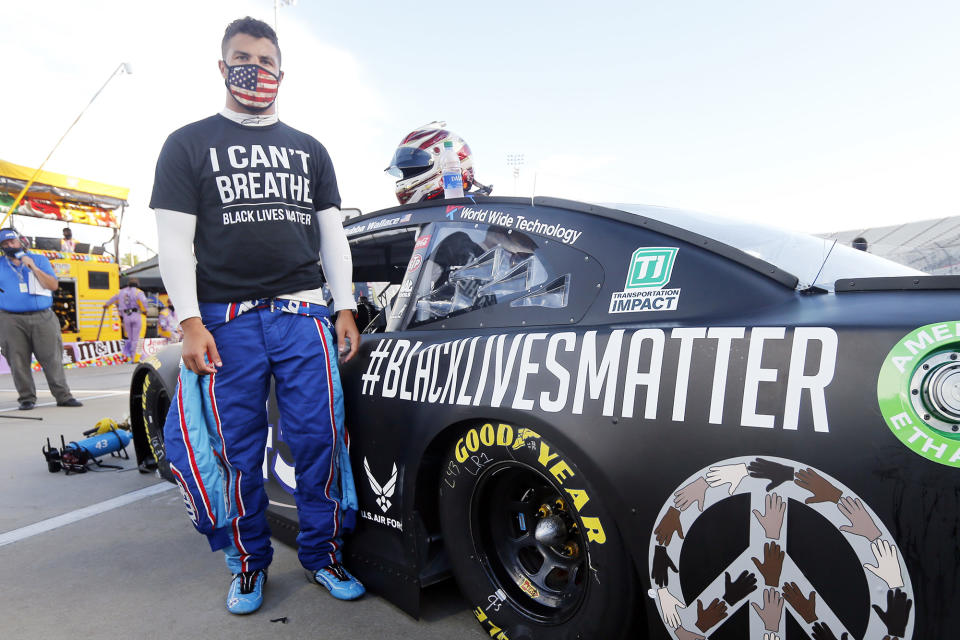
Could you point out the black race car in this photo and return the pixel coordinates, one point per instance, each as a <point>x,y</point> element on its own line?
<point>612,422</point>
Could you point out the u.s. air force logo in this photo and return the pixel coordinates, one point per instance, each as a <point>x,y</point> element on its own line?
<point>385,491</point>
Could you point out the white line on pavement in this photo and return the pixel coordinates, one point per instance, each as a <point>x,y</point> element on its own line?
<point>53,403</point>
<point>81,514</point>
<point>39,389</point>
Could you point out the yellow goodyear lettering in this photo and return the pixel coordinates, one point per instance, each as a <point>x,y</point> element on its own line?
<point>522,436</point>
<point>580,498</point>
<point>594,529</point>
<point>487,435</point>
<point>561,471</point>
<point>143,394</point>
<point>495,632</point>
<point>504,435</point>
<point>467,445</point>
<point>473,441</point>
<point>545,456</point>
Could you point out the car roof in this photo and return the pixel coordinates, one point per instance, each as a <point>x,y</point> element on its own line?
<point>793,259</point>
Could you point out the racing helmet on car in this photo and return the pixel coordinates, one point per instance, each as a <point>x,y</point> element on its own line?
<point>416,163</point>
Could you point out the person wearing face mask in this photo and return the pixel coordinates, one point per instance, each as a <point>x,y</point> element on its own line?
<point>245,206</point>
<point>28,326</point>
<point>67,243</point>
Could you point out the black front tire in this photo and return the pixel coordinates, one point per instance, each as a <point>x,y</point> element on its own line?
<point>531,544</point>
<point>155,405</point>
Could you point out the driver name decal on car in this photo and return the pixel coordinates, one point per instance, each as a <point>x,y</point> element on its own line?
<point>619,374</point>
<point>373,225</point>
<point>650,271</point>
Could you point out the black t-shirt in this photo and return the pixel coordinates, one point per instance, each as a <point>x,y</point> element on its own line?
<point>256,192</point>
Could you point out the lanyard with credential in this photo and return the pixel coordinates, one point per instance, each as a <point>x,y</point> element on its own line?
<point>23,283</point>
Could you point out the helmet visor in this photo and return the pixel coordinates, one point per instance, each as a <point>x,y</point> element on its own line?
<point>408,162</point>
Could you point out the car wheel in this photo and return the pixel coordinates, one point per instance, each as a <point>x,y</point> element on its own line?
<point>155,405</point>
<point>531,544</point>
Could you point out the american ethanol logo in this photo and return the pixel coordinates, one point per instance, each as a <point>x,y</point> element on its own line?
<point>650,267</point>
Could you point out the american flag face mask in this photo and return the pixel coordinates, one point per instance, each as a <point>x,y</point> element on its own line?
<point>252,86</point>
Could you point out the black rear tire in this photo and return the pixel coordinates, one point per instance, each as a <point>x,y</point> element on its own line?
<point>155,405</point>
<point>531,544</point>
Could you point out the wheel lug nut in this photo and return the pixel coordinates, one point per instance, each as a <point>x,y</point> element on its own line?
<point>559,506</point>
<point>544,511</point>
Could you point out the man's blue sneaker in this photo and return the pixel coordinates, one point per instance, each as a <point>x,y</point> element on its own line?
<point>246,591</point>
<point>338,582</point>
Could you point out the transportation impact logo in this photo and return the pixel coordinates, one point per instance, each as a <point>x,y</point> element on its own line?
<point>651,267</point>
<point>649,271</point>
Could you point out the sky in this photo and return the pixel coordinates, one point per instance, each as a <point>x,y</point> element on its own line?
<point>814,116</point>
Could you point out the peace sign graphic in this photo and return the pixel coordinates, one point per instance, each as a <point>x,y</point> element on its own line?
<point>764,575</point>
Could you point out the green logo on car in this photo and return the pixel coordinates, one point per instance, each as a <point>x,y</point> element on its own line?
<point>650,267</point>
<point>918,390</point>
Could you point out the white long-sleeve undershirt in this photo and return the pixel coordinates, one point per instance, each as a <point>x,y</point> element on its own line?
<point>175,232</point>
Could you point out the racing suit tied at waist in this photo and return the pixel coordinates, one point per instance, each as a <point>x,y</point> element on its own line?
<point>214,516</point>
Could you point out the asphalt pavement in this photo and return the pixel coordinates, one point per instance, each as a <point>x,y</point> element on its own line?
<point>96,554</point>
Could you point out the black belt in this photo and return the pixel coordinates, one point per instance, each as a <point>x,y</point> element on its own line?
<point>127,312</point>
<point>25,313</point>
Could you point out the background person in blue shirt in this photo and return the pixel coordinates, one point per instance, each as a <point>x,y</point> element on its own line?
<point>28,325</point>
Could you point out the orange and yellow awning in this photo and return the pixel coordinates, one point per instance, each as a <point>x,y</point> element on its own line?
<point>56,196</point>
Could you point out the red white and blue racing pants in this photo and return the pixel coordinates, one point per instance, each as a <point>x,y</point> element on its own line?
<point>216,431</point>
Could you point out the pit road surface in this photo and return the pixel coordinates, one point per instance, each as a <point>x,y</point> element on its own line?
<point>140,568</point>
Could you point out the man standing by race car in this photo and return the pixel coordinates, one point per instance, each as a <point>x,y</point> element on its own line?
<point>28,326</point>
<point>245,204</point>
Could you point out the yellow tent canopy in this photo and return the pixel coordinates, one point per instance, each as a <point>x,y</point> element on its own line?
<point>60,197</point>
<point>17,172</point>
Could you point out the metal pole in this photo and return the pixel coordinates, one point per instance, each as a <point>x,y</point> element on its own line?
<point>100,328</point>
<point>16,201</point>
<point>116,234</point>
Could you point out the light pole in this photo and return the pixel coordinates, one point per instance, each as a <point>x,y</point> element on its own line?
<point>276,7</point>
<point>123,67</point>
<point>515,160</point>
